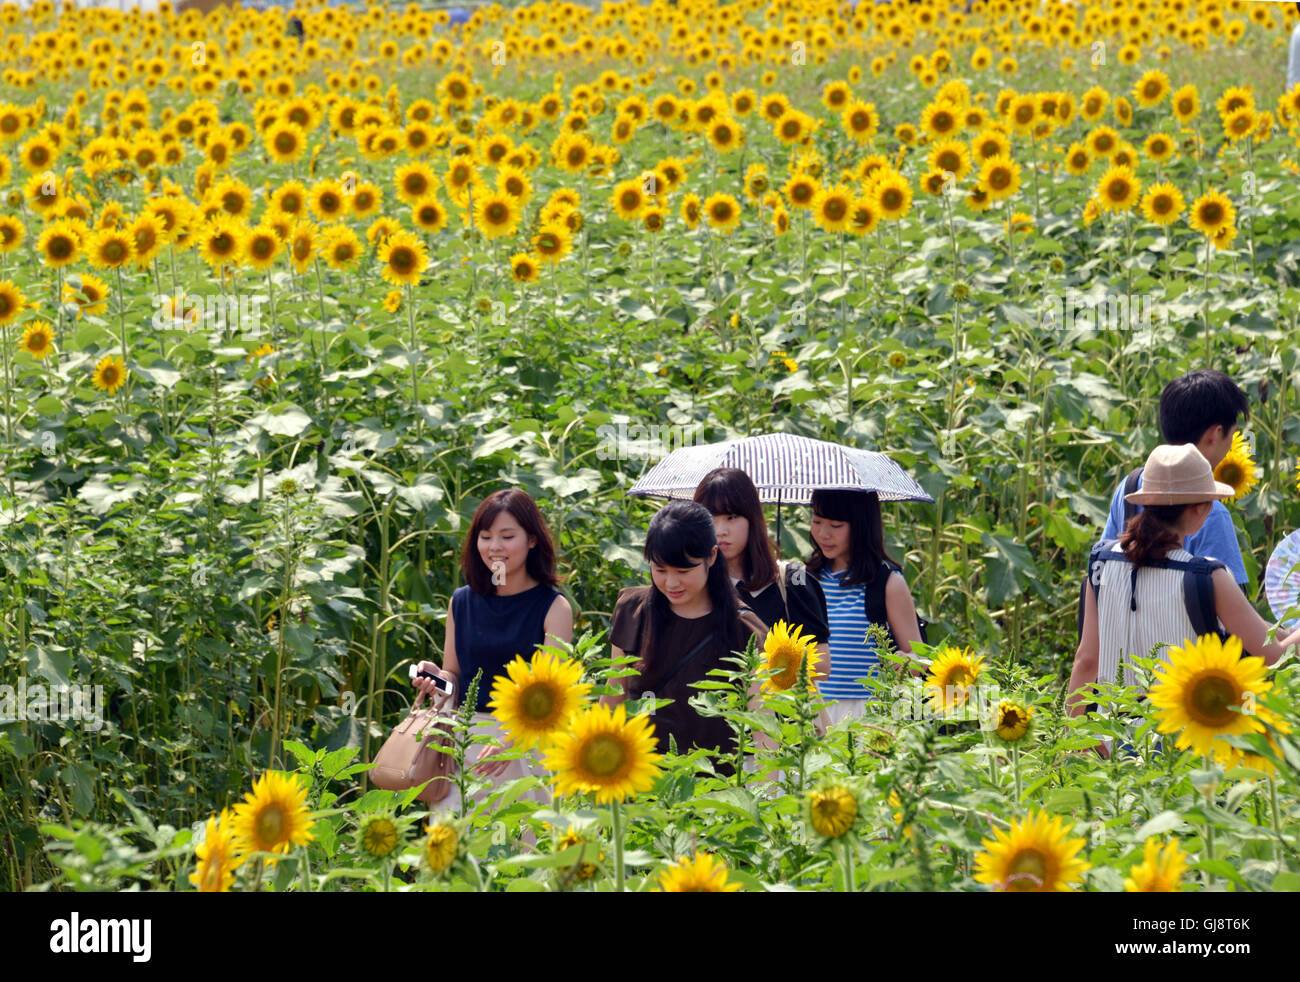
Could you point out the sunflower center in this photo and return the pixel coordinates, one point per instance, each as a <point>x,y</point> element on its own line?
<point>1029,869</point>
<point>892,199</point>
<point>959,676</point>
<point>270,825</point>
<point>604,756</point>
<point>1209,700</point>
<point>1211,213</point>
<point>1010,719</point>
<point>537,701</point>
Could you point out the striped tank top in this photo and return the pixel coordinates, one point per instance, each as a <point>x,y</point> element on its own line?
<point>852,655</point>
<point>1160,619</point>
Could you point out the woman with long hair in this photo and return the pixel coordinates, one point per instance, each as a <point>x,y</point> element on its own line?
<point>794,597</point>
<point>681,626</point>
<point>1136,603</point>
<point>508,606</point>
<point>863,585</point>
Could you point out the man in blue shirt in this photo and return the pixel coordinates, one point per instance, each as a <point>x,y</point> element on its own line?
<point>1200,407</point>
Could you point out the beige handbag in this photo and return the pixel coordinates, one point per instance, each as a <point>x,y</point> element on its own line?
<point>410,756</point>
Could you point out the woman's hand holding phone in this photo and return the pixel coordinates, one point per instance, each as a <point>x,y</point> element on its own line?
<point>431,686</point>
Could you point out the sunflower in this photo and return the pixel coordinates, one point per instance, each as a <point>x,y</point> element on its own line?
<point>1151,88</point>
<point>37,340</point>
<point>1034,856</point>
<point>793,127</point>
<point>1159,147</point>
<point>1023,113</point>
<point>90,294</point>
<point>628,199</point>
<point>833,810</point>
<point>989,144</point>
<point>534,700</point>
<point>110,374</point>
<point>1012,720</point>
<point>1118,189</point>
<point>653,217</point>
<point>832,208</point>
<point>863,216</point>
<point>341,248</point>
<point>378,835</point>
<point>147,236</point>
<point>581,869</point>
<point>860,120</point>
<point>1077,159</point>
<point>403,259</point>
<point>1237,468</point>
<point>723,212</point>
<point>701,874</point>
<point>1186,104</point>
<point>1239,123</point>
<point>1196,692</point>
<point>285,142</point>
<point>941,120</point>
<point>801,189</point>
<point>1102,141</point>
<point>1162,204</point>
<point>441,847</point>
<point>273,816</point>
<point>1211,212</point>
<point>216,856</point>
<point>1223,237</point>
<point>783,650</point>
<point>725,134</point>
<point>327,200</point>
<point>110,248</point>
<point>261,247</point>
<point>222,242</point>
<point>1160,869</point>
<point>952,673</point>
<point>523,268</point>
<point>893,196</point>
<point>12,301</point>
<point>290,198</point>
<point>12,233</point>
<point>691,209</point>
<point>606,753</point>
<point>496,214</point>
<point>302,245</point>
<point>1000,176</point>
<point>952,156</point>
<point>552,242</point>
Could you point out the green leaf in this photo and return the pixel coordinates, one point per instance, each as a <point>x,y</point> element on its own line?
<point>80,782</point>
<point>49,405</point>
<point>1158,825</point>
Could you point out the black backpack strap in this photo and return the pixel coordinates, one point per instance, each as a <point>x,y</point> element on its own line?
<point>1130,486</point>
<point>1198,594</point>
<point>874,602</point>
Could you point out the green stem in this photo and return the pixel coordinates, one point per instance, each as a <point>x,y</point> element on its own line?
<point>618,847</point>
<point>850,883</point>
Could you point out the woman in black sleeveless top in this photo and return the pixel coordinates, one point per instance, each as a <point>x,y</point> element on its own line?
<point>509,606</point>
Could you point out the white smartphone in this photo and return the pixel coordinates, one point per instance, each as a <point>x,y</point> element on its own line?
<point>444,684</point>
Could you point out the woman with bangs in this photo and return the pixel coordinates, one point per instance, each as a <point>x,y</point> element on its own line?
<point>681,626</point>
<point>509,606</point>
<point>772,590</point>
<point>863,585</point>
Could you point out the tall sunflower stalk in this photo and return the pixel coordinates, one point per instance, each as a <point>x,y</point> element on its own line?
<point>462,737</point>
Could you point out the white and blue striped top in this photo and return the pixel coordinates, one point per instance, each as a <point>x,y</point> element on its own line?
<point>852,655</point>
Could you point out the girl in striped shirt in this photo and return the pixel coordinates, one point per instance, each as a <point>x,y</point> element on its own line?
<point>848,555</point>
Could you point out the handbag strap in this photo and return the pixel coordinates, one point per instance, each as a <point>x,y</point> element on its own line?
<point>781,567</point>
<point>682,664</point>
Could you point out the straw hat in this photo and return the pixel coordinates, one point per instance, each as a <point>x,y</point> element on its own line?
<point>1178,476</point>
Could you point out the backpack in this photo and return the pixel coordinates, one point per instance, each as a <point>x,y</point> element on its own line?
<point>1198,584</point>
<point>875,603</point>
<point>1130,509</point>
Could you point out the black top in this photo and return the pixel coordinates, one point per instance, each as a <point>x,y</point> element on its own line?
<point>805,604</point>
<point>491,630</point>
<point>678,718</point>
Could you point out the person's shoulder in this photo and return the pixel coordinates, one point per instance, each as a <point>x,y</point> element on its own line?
<point>631,596</point>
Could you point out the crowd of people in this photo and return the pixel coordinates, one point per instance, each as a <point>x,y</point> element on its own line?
<point>715,582</point>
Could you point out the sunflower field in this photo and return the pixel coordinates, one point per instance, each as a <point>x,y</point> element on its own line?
<point>285,293</point>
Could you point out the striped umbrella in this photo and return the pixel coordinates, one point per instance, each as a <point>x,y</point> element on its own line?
<point>785,469</point>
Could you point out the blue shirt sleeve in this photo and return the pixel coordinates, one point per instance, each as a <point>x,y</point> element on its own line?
<point>1217,539</point>
<point>1116,516</point>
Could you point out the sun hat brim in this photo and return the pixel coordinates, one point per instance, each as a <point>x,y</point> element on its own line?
<point>1220,492</point>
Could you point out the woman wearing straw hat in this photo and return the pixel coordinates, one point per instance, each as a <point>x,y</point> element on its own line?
<point>1137,601</point>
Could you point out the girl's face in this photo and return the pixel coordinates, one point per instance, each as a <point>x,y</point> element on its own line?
<point>682,585</point>
<point>733,534</point>
<point>832,538</point>
<point>504,547</point>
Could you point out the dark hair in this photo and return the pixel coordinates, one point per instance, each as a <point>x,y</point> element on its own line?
<point>861,509</point>
<point>1151,533</point>
<point>541,557</point>
<point>681,535</point>
<point>1192,403</point>
<point>729,491</point>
